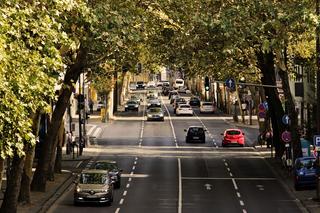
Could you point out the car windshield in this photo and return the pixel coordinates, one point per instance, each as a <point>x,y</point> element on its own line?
<point>131,102</point>
<point>155,110</point>
<point>196,130</point>
<point>93,178</point>
<point>105,166</point>
<point>233,132</point>
<point>306,163</point>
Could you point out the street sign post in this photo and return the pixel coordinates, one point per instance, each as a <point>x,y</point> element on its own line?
<point>230,83</point>
<point>316,141</point>
<point>286,119</point>
<point>265,104</point>
<point>286,136</point>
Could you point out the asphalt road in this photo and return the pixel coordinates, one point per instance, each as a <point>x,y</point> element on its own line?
<point>163,174</point>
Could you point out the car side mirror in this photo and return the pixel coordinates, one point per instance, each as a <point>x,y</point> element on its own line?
<point>221,133</point>
<point>185,130</point>
<point>242,133</point>
<point>121,170</point>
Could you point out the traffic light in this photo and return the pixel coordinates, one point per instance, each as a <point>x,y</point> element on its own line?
<point>206,83</point>
<point>80,99</point>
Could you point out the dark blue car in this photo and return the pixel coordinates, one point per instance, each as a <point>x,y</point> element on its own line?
<point>305,173</point>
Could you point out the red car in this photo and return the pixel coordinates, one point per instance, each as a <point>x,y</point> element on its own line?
<point>233,137</point>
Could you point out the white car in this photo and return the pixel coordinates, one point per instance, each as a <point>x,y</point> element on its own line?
<point>151,84</point>
<point>207,107</point>
<point>184,109</point>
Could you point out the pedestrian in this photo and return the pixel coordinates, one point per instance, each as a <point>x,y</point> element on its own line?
<point>69,142</point>
<point>269,138</point>
<point>91,106</point>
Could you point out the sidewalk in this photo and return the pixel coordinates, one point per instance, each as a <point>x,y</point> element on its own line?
<point>305,197</point>
<point>41,201</point>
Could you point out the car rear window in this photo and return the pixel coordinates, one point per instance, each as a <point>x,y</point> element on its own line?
<point>184,106</point>
<point>155,110</point>
<point>179,82</point>
<point>196,130</point>
<point>233,132</point>
<point>207,104</point>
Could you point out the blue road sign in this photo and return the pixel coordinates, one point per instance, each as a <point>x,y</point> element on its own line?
<point>230,83</point>
<point>285,119</point>
<point>265,104</point>
<point>262,114</point>
<point>316,140</point>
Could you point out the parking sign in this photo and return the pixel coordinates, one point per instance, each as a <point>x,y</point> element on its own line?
<point>316,140</point>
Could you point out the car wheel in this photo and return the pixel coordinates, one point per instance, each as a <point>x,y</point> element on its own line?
<point>187,141</point>
<point>117,185</point>
<point>75,203</point>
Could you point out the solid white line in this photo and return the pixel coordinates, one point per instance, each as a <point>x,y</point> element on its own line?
<point>78,164</point>
<point>97,132</point>
<point>125,193</point>
<point>238,194</point>
<point>180,187</point>
<point>217,178</point>
<point>91,130</point>
<point>170,121</point>
<point>121,201</point>
<point>117,210</point>
<point>234,184</point>
<point>241,203</point>
<point>128,185</point>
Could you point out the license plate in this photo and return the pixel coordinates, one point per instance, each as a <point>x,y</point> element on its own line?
<point>92,196</point>
<point>195,137</point>
<point>234,142</point>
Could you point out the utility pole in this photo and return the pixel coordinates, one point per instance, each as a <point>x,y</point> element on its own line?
<point>318,89</point>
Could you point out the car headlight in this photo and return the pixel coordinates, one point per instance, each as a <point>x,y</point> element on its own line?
<point>136,105</point>
<point>149,116</point>
<point>301,173</point>
<point>161,114</point>
<point>126,105</point>
<point>149,104</point>
<point>78,189</point>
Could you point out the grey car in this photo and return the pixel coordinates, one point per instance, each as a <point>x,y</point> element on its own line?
<point>131,105</point>
<point>93,186</point>
<point>155,114</point>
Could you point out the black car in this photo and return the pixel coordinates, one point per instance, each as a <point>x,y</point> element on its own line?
<point>195,134</point>
<point>131,105</point>
<point>194,101</point>
<point>113,169</point>
<point>140,85</point>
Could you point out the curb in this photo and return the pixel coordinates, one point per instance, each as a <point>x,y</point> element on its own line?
<point>54,197</point>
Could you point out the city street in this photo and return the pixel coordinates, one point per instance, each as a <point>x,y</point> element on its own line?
<point>163,174</point>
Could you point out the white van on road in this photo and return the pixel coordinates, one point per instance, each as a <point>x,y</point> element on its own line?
<point>178,83</point>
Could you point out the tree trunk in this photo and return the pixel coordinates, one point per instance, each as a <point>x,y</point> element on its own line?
<point>58,158</point>
<point>72,75</point>
<point>25,194</point>
<point>1,171</point>
<point>293,115</point>
<point>266,65</point>
<point>14,174</point>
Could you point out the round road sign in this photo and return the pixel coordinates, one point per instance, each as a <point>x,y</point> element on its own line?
<point>286,136</point>
<point>262,114</point>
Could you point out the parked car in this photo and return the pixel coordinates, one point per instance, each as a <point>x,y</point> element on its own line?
<point>155,113</point>
<point>93,186</point>
<point>153,103</point>
<point>140,85</point>
<point>131,105</point>
<point>132,86</point>
<point>233,137</point>
<point>194,101</point>
<point>195,134</point>
<point>113,169</point>
<point>305,172</point>
<point>207,107</point>
<point>184,109</point>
